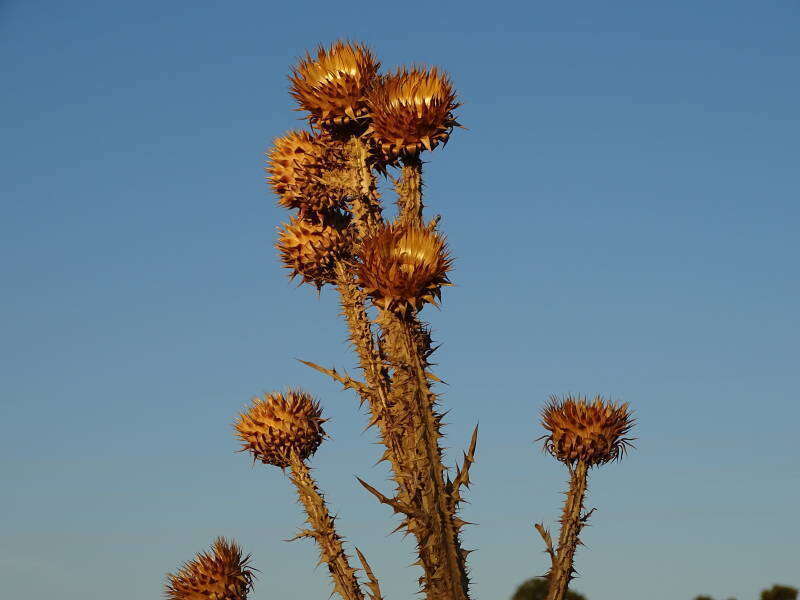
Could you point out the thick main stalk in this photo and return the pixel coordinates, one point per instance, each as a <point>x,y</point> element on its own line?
<point>441,557</point>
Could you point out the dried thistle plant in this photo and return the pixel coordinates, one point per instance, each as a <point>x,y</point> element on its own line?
<point>385,272</point>
<point>581,434</point>
<point>284,430</point>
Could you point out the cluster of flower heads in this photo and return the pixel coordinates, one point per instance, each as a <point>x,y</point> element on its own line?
<point>406,111</point>
<point>397,115</point>
<point>222,574</point>
<point>592,432</point>
<point>281,425</point>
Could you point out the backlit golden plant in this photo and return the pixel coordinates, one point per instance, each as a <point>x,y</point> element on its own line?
<point>384,271</point>
<point>311,249</point>
<point>280,424</point>
<point>404,266</point>
<point>222,574</point>
<point>411,110</point>
<point>331,86</point>
<point>593,432</point>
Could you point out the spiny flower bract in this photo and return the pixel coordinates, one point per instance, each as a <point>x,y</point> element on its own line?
<point>300,167</point>
<point>593,432</point>
<point>404,266</point>
<point>332,85</point>
<point>281,424</point>
<point>411,110</point>
<point>221,574</point>
<point>310,249</point>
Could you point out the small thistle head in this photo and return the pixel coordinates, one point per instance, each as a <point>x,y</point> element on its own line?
<point>593,432</point>
<point>221,574</point>
<point>411,110</point>
<point>404,266</point>
<point>279,425</point>
<point>300,167</point>
<point>310,249</point>
<point>332,85</point>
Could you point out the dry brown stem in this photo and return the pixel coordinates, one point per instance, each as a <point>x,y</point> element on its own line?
<point>407,345</point>
<point>572,521</point>
<point>409,192</point>
<point>324,532</point>
<point>364,203</point>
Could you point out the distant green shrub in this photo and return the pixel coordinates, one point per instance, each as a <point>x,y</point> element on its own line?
<point>779,592</point>
<point>536,589</point>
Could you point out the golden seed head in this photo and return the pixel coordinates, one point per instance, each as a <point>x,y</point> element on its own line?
<point>593,432</point>
<point>331,86</point>
<point>222,574</point>
<point>280,424</point>
<point>310,249</point>
<point>411,110</point>
<point>404,266</point>
<point>300,167</point>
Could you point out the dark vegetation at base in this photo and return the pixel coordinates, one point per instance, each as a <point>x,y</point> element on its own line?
<point>776,592</point>
<point>536,589</point>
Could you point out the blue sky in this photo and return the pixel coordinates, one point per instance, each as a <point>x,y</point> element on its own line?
<point>624,212</point>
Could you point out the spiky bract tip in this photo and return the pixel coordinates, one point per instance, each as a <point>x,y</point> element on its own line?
<point>404,266</point>
<point>580,430</point>
<point>221,574</point>
<point>279,425</point>
<point>332,85</point>
<point>411,110</point>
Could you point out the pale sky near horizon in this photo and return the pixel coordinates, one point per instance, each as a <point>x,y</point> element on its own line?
<point>623,208</point>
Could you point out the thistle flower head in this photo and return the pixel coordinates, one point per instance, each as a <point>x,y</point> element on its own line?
<point>301,167</point>
<point>222,574</point>
<point>404,266</point>
<point>279,425</point>
<point>593,432</point>
<point>310,249</point>
<point>332,85</point>
<point>411,110</point>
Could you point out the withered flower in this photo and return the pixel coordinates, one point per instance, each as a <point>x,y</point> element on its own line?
<point>222,574</point>
<point>411,110</point>
<point>404,266</point>
<point>310,249</point>
<point>593,432</point>
<point>302,171</point>
<point>280,424</point>
<point>332,85</point>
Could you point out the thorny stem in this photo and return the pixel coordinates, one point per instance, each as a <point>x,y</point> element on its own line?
<point>409,192</point>
<point>364,202</point>
<point>571,524</point>
<point>438,535</point>
<point>402,404</point>
<point>323,531</point>
<point>353,302</point>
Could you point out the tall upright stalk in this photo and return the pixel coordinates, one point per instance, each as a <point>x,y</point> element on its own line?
<point>572,521</point>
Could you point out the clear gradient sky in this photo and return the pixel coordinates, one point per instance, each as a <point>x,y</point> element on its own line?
<point>624,212</point>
